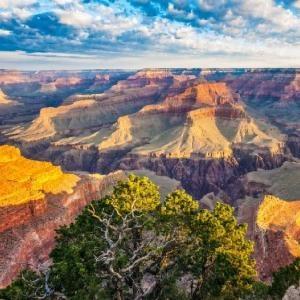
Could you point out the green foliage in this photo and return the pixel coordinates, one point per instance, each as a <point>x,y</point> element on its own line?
<point>135,194</point>
<point>179,203</point>
<point>260,291</point>
<point>131,246</point>
<point>218,255</point>
<point>28,285</point>
<point>74,268</point>
<point>284,278</point>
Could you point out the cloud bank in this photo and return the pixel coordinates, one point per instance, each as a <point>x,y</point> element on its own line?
<point>156,33</point>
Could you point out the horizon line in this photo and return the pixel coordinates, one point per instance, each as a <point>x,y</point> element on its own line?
<point>150,68</point>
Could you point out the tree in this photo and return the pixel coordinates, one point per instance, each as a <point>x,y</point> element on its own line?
<point>31,285</point>
<point>284,278</point>
<point>130,245</point>
<point>216,252</point>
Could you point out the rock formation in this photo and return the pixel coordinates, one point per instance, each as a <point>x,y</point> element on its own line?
<point>277,234</point>
<point>206,129</point>
<point>271,208</point>
<point>188,129</point>
<point>277,215</point>
<point>25,180</point>
<point>5,101</point>
<point>292,293</point>
<point>36,198</point>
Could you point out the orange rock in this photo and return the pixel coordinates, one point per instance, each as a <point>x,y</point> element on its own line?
<point>277,215</point>
<point>25,180</point>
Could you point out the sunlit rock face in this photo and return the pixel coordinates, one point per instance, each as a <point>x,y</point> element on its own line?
<point>23,180</point>
<point>86,112</point>
<point>277,234</point>
<point>5,101</point>
<point>277,215</point>
<point>271,208</point>
<point>36,198</point>
<point>270,93</point>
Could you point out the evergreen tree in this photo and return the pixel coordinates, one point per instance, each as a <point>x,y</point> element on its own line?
<point>284,278</point>
<point>130,245</point>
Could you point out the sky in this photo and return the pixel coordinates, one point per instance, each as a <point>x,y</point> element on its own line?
<point>134,34</point>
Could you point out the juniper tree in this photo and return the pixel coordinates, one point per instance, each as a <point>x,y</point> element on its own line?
<point>132,245</point>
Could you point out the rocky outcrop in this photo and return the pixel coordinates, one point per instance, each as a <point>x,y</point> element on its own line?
<point>277,234</point>
<point>25,180</point>
<point>270,247</point>
<point>27,226</point>
<point>272,222</point>
<point>292,293</point>
<point>5,101</point>
<point>277,215</point>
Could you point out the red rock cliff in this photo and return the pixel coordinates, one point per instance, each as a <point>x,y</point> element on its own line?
<point>36,198</point>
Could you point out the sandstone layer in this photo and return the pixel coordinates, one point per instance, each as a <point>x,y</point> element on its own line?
<point>5,101</point>
<point>24,180</point>
<point>271,208</point>
<point>27,225</point>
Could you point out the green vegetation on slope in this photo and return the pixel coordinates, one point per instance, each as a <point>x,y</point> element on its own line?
<point>132,245</point>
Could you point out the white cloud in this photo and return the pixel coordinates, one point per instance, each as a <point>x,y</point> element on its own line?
<point>16,9</point>
<point>279,18</point>
<point>297,4</point>
<point>63,2</point>
<point>11,4</point>
<point>210,4</point>
<point>244,31</point>
<point>99,18</point>
<point>166,35</point>
<point>76,18</point>
<point>4,32</point>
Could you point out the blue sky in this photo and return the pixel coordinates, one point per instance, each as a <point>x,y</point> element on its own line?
<point>82,34</point>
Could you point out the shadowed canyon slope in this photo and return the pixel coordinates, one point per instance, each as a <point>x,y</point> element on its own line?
<point>222,134</point>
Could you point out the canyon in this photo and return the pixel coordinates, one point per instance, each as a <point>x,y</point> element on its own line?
<point>36,198</point>
<point>230,135</point>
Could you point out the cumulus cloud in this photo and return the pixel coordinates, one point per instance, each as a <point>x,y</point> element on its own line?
<point>267,10</point>
<point>63,2</point>
<point>234,29</point>
<point>4,32</point>
<point>10,4</point>
<point>76,18</point>
<point>297,4</point>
